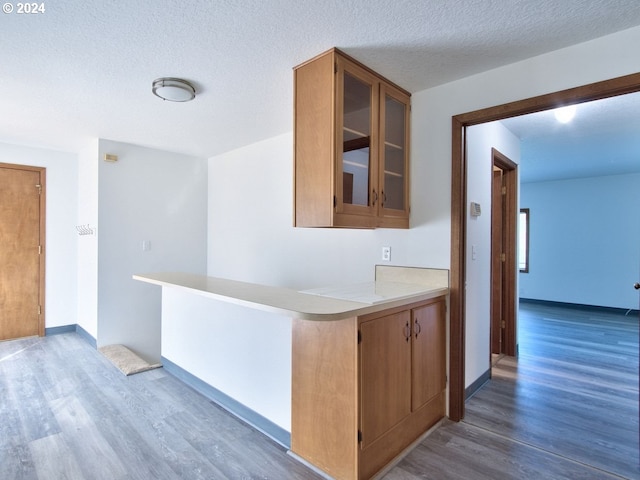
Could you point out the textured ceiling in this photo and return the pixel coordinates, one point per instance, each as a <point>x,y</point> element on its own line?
<point>84,69</point>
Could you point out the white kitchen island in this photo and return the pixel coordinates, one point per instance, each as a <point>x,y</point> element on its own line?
<point>232,340</point>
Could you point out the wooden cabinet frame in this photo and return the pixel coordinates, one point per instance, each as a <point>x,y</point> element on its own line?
<point>344,67</point>
<point>390,217</point>
<point>318,146</point>
<point>328,396</point>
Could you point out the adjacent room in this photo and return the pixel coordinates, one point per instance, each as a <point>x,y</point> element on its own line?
<point>306,240</point>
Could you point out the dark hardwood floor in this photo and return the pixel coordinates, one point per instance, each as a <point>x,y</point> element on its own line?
<point>567,409</point>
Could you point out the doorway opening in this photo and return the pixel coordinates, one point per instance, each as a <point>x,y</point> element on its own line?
<point>595,91</point>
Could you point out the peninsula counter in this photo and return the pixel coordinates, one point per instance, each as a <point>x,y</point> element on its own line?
<point>322,304</point>
<point>233,341</point>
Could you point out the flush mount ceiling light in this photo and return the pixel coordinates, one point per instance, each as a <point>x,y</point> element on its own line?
<point>565,114</point>
<point>173,89</point>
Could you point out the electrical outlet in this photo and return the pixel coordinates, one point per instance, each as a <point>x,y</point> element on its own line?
<point>386,254</point>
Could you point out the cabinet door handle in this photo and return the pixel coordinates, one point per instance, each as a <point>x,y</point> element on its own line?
<point>407,332</point>
<point>418,328</point>
<point>375,198</point>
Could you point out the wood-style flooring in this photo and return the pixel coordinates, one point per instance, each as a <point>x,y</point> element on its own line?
<point>67,413</point>
<point>566,409</point>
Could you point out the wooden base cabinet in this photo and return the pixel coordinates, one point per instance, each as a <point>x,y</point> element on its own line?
<point>365,388</point>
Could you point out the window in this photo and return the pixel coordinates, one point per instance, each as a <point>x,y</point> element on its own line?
<point>523,240</point>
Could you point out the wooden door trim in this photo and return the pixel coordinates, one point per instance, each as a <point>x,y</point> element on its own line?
<point>43,231</point>
<point>43,174</point>
<point>510,231</point>
<point>497,248</point>
<point>586,93</point>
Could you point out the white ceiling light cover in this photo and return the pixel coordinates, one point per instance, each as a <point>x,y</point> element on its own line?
<point>565,114</point>
<point>173,89</point>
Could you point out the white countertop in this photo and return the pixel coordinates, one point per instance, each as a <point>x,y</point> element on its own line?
<point>369,292</point>
<point>332,303</point>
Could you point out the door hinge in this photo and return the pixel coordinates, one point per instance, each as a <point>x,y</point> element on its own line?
<point>39,187</point>
<point>359,436</point>
<point>503,324</point>
<point>39,309</point>
<point>335,201</point>
<point>359,337</point>
<point>335,67</point>
<point>504,190</point>
<point>503,257</point>
<point>39,249</point>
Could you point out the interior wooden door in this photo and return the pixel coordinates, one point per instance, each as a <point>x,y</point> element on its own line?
<point>497,250</point>
<point>21,251</point>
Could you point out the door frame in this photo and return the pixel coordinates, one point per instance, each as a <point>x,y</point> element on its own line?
<point>459,123</point>
<point>497,271</point>
<point>509,232</point>
<point>42,171</point>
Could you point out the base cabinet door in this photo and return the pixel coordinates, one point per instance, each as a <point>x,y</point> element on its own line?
<point>428,353</point>
<point>402,380</point>
<point>385,373</point>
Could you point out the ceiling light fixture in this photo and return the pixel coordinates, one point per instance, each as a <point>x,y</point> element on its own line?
<point>173,89</point>
<point>565,114</point>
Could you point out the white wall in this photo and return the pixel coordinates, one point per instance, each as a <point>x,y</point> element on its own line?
<point>584,241</point>
<point>147,195</point>
<point>250,189</point>
<point>242,352</point>
<point>61,235</point>
<point>480,140</point>
<point>251,236</point>
<point>87,272</point>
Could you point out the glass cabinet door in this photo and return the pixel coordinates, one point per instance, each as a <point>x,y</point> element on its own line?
<point>394,153</point>
<point>355,174</point>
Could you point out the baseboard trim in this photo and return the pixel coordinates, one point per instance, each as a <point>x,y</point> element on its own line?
<point>244,413</point>
<point>59,330</point>
<point>475,386</point>
<point>87,336</point>
<point>580,306</point>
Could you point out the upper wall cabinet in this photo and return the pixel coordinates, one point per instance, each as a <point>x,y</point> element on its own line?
<point>351,134</point>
